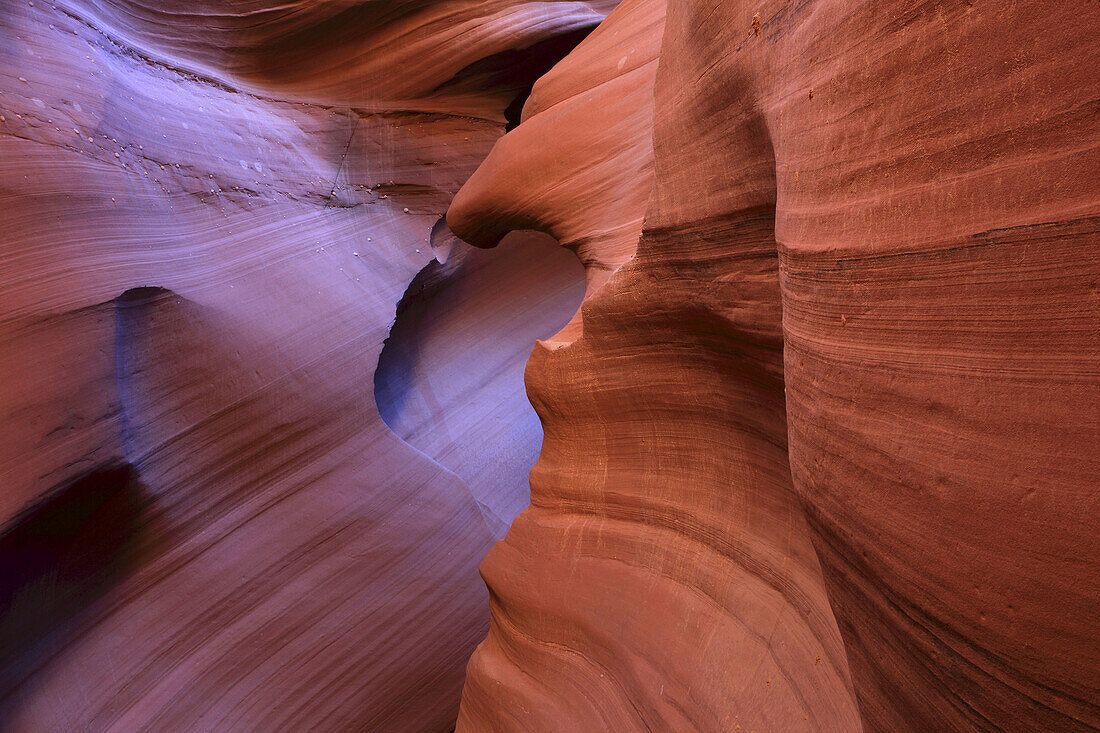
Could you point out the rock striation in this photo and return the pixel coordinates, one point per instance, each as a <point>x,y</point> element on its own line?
<point>580,164</point>
<point>209,216</point>
<point>450,376</point>
<point>817,452</point>
<point>824,456</point>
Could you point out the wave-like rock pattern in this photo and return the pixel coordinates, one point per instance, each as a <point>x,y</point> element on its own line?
<point>209,215</point>
<point>824,457</point>
<point>580,165</point>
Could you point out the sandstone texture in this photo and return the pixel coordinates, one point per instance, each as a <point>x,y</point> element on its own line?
<point>813,291</point>
<point>825,456</point>
<point>210,212</point>
<point>580,165</point>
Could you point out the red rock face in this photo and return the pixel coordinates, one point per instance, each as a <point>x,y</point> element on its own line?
<point>824,455</point>
<point>586,133</point>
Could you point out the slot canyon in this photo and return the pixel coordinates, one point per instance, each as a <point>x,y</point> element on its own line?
<point>570,365</point>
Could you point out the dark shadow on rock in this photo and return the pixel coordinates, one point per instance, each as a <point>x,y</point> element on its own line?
<point>56,559</point>
<point>515,71</point>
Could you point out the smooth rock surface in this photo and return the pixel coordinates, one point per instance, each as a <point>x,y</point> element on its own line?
<point>824,457</point>
<point>820,446</point>
<point>450,377</point>
<point>580,165</point>
<point>209,215</point>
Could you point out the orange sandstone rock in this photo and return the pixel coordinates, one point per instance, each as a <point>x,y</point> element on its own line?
<point>824,457</point>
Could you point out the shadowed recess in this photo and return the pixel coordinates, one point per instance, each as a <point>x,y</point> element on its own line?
<point>56,559</point>
<point>515,71</point>
<point>450,377</point>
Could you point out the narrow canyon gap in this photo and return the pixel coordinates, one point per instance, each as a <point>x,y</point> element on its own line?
<point>450,377</point>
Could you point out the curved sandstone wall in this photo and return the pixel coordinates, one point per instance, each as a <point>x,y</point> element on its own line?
<point>819,446</point>
<point>824,456</point>
<point>210,212</point>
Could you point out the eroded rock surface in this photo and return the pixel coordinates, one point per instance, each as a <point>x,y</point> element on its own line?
<point>580,164</point>
<point>820,456</point>
<point>450,377</point>
<point>824,457</point>
<point>210,211</point>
